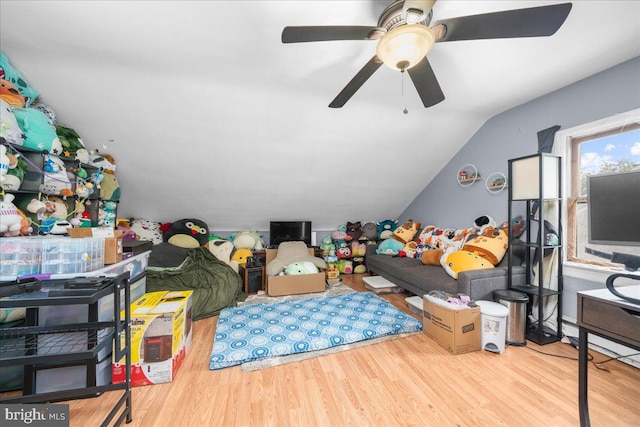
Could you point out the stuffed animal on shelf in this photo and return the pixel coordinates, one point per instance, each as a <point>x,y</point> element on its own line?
<point>9,129</point>
<point>10,218</point>
<point>326,245</point>
<point>342,249</point>
<point>108,217</point>
<point>4,163</point>
<point>359,265</point>
<point>39,134</point>
<point>358,248</point>
<point>301,267</point>
<point>390,246</point>
<point>240,255</point>
<point>16,78</point>
<point>11,95</point>
<point>340,233</point>
<point>345,266</point>
<point>407,231</point>
<point>386,227</point>
<point>455,261</point>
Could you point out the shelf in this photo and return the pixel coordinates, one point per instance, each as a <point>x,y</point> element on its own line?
<point>533,334</point>
<point>535,290</point>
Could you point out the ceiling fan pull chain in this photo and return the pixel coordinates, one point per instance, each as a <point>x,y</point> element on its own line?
<point>405,111</point>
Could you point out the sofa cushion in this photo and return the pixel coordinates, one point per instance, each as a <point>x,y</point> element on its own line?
<point>432,237</point>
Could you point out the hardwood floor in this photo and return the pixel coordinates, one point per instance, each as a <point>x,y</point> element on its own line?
<point>402,382</point>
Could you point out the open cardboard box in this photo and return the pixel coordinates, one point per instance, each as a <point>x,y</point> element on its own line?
<point>112,241</point>
<point>292,285</point>
<point>458,331</point>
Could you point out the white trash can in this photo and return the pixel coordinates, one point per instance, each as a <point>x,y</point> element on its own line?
<point>494,325</point>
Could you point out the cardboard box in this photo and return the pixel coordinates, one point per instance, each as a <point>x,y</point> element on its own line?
<point>161,331</point>
<point>292,285</point>
<point>112,241</point>
<point>458,331</point>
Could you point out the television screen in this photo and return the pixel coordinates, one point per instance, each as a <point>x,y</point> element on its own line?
<point>289,231</point>
<point>614,208</point>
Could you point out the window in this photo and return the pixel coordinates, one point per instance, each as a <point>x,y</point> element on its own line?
<point>609,146</point>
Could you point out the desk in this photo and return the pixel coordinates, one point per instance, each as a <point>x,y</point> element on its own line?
<point>604,314</point>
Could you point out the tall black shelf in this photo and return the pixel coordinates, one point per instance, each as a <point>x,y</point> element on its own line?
<point>96,336</point>
<point>535,182</point>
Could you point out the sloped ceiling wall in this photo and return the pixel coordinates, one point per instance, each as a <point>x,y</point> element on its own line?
<point>209,115</point>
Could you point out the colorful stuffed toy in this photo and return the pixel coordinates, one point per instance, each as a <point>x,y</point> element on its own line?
<point>10,218</point>
<point>386,227</point>
<point>390,246</point>
<point>56,180</point>
<point>345,266</point>
<point>454,262</point>
<point>240,255</point>
<point>407,231</point>
<point>491,244</point>
<point>16,78</point>
<point>409,250</point>
<point>342,249</point>
<point>290,252</point>
<point>359,265</point>
<point>39,134</point>
<point>340,233</point>
<point>11,95</point>
<point>326,245</point>
<point>4,163</point>
<point>70,141</point>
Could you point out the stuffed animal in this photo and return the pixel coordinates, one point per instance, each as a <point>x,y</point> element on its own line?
<point>147,230</point>
<point>290,252</point>
<point>48,111</point>
<point>11,95</point>
<point>56,180</point>
<point>390,246</point>
<point>69,139</point>
<point>345,266</point>
<point>340,233</point>
<point>301,267</point>
<point>240,255</point>
<point>333,273</point>
<point>491,244</point>
<point>108,217</point>
<point>358,249</point>
<point>369,231</point>
<point>245,239</point>
<point>483,222</point>
<point>354,230</point>
<point>407,231</point>
<point>222,249</point>
<point>39,134</point>
<point>386,227</point>
<point>518,226</point>
<point>409,250</point>
<point>4,163</point>
<point>186,233</point>
<point>16,78</point>
<point>325,245</point>
<point>9,129</point>
<point>454,262</point>
<point>342,249</point>
<point>359,265</point>
<point>432,256</point>
<point>10,218</point>
<point>55,207</point>
<point>103,161</point>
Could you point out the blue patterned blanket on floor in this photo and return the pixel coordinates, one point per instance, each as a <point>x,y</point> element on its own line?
<point>254,332</point>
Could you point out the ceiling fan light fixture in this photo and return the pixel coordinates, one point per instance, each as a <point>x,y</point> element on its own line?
<point>404,47</point>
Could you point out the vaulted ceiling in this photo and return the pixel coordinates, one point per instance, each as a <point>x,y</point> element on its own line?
<point>209,115</point>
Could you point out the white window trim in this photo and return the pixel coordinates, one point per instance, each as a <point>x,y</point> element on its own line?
<point>562,147</point>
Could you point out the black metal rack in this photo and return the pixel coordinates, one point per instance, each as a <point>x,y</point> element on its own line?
<point>74,344</point>
<point>542,174</point>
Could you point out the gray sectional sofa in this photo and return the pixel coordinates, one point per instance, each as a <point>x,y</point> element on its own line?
<point>417,278</point>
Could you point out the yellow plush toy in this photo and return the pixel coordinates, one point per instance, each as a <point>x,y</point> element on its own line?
<point>240,255</point>
<point>407,231</point>
<point>491,244</point>
<point>454,262</point>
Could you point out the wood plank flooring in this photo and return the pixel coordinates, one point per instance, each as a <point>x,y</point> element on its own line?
<point>404,382</point>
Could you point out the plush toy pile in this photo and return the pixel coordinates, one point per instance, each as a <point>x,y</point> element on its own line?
<point>70,182</point>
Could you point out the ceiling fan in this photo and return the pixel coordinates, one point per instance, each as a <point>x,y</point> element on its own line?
<point>405,37</point>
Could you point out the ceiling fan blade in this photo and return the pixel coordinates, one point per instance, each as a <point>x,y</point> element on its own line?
<point>357,81</point>
<point>426,83</point>
<point>414,11</point>
<point>532,22</point>
<point>327,33</point>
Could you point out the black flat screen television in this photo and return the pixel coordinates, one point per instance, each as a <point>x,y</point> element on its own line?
<point>289,231</point>
<point>614,208</point>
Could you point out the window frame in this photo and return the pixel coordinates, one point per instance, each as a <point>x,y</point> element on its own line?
<point>565,145</point>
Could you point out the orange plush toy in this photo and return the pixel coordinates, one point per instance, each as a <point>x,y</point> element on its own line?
<point>11,95</point>
<point>491,244</point>
<point>432,256</point>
